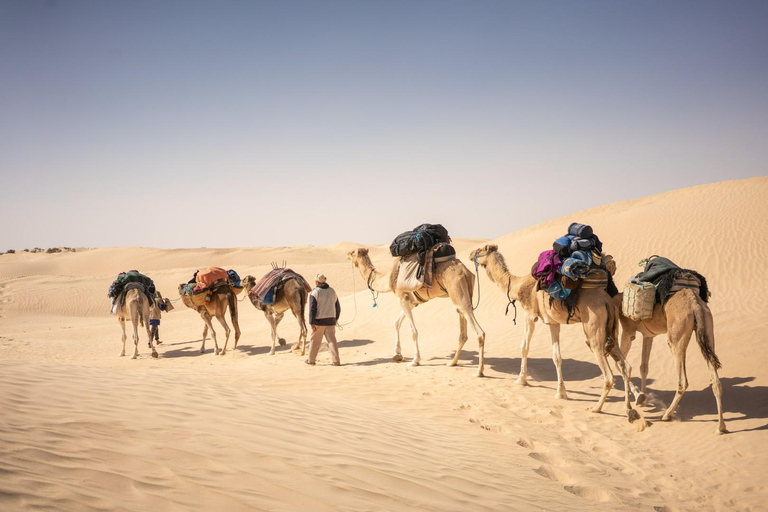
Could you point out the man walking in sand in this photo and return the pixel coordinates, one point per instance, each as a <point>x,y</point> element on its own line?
<point>324,311</point>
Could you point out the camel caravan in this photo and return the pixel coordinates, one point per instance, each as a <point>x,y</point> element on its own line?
<point>570,283</point>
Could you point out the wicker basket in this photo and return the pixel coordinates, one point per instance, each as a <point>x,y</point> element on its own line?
<point>199,299</point>
<point>638,301</point>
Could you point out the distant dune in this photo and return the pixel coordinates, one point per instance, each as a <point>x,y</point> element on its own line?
<point>82,429</point>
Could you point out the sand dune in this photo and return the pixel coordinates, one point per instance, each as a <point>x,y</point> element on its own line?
<point>84,430</point>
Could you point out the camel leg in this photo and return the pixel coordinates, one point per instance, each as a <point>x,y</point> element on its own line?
<point>223,321</point>
<point>272,330</point>
<point>407,309</point>
<point>462,338</point>
<point>554,332</point>
<point>480,340</point>
<point>717,389</point>
<point>678,343</point>
<point>209,325</point>
<point>135,323</point>
<point>522,379</point>
<point>647,345</point>
<point>122,324</point>
<point>398,351</point>
<point>627,337</point>
<point>626,373</point>
<point>278,319</point>
<point>296,310</point>
<point>235,325</point>
<point>599,350</point>
<point>205,335</point>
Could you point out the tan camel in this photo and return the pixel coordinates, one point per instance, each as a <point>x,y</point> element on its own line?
<point>292,295</point>
<point>222,298</point>
<point>682,314</point>
<point>452,279</point>
<point>136,308</point>
<point>594,310</point>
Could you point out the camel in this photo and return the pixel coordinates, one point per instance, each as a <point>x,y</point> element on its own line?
<point>136,308</point>
<point>594,310</point>
<point>292,295</point>
<point>222,298</point>
<point>452,279</point>
<point>682,314</point>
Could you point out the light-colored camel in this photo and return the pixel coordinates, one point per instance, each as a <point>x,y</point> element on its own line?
<point>136,309</point>
<point>594,310</point>
<point>292,295</point>
<point>222,298</point>
<point>452,279</point>
<point>682,314</point>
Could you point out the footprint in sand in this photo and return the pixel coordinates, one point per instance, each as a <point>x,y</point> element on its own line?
<point>554,474</point>
<point>589,493</point>
<point>525,443</point>
<point>549,459</point>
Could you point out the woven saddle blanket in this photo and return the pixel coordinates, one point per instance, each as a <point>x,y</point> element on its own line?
<point>264,289</point>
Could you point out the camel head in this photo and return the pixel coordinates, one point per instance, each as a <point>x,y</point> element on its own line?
<point>356,256</point>
<point>248,282</point>
<point>481,255</point>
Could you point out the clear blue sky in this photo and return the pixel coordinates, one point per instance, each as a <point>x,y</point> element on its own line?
<point>246,123</point>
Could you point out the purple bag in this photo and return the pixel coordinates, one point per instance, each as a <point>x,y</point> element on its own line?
<point>546,268</point>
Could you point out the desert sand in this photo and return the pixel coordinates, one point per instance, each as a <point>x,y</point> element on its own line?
<point>81,429</point>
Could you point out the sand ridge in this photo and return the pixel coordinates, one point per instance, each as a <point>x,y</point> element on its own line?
<point>82,429</point>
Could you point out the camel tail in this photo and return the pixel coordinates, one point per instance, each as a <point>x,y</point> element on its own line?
<point>706,342</point>
<point>612,327</point>
<point>232,300</point>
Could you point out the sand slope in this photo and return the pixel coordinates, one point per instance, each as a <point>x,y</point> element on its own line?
<point>84,430</point>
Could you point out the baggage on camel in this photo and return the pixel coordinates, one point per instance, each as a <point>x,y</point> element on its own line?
<point>266,288</point>
<point>668,278</point>
<point>418,240</point>
<point>118,287</point>
<point>206,281</point>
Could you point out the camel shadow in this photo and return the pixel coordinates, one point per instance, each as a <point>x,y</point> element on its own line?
<point>354,343</point>
<point>749,401</point>
<point>539,369</point>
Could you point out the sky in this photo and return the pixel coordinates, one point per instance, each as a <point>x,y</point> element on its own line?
<point>281,123</point>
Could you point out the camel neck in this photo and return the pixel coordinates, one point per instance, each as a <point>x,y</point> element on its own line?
<point>373,278</point>
<point>497,271</point>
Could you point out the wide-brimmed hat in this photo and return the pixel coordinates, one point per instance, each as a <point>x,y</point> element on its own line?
<point>320,278</point>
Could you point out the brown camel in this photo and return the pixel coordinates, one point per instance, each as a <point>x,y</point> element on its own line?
<point>292,295</point>
<point>452,279</point>
<point>136,308</point>
<point>682,314</point>
<point>222,298</point>
<point>594,310</point>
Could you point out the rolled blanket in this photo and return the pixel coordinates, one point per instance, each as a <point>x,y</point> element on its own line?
<point>575,268</point>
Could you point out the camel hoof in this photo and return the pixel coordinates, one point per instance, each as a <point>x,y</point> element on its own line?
<point>561,395</point>
<point>720,431</point>
<point>478,374</point>
<point>281,341</point>
<point>640,400</point>
<point>666,417</point>
<point>397,358</point>
<point>596,410</point>
<point>272,352</point>
<point>521,382</point>
<point>134,356</point>
<point>414,363</point>
<point>121,354</point>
